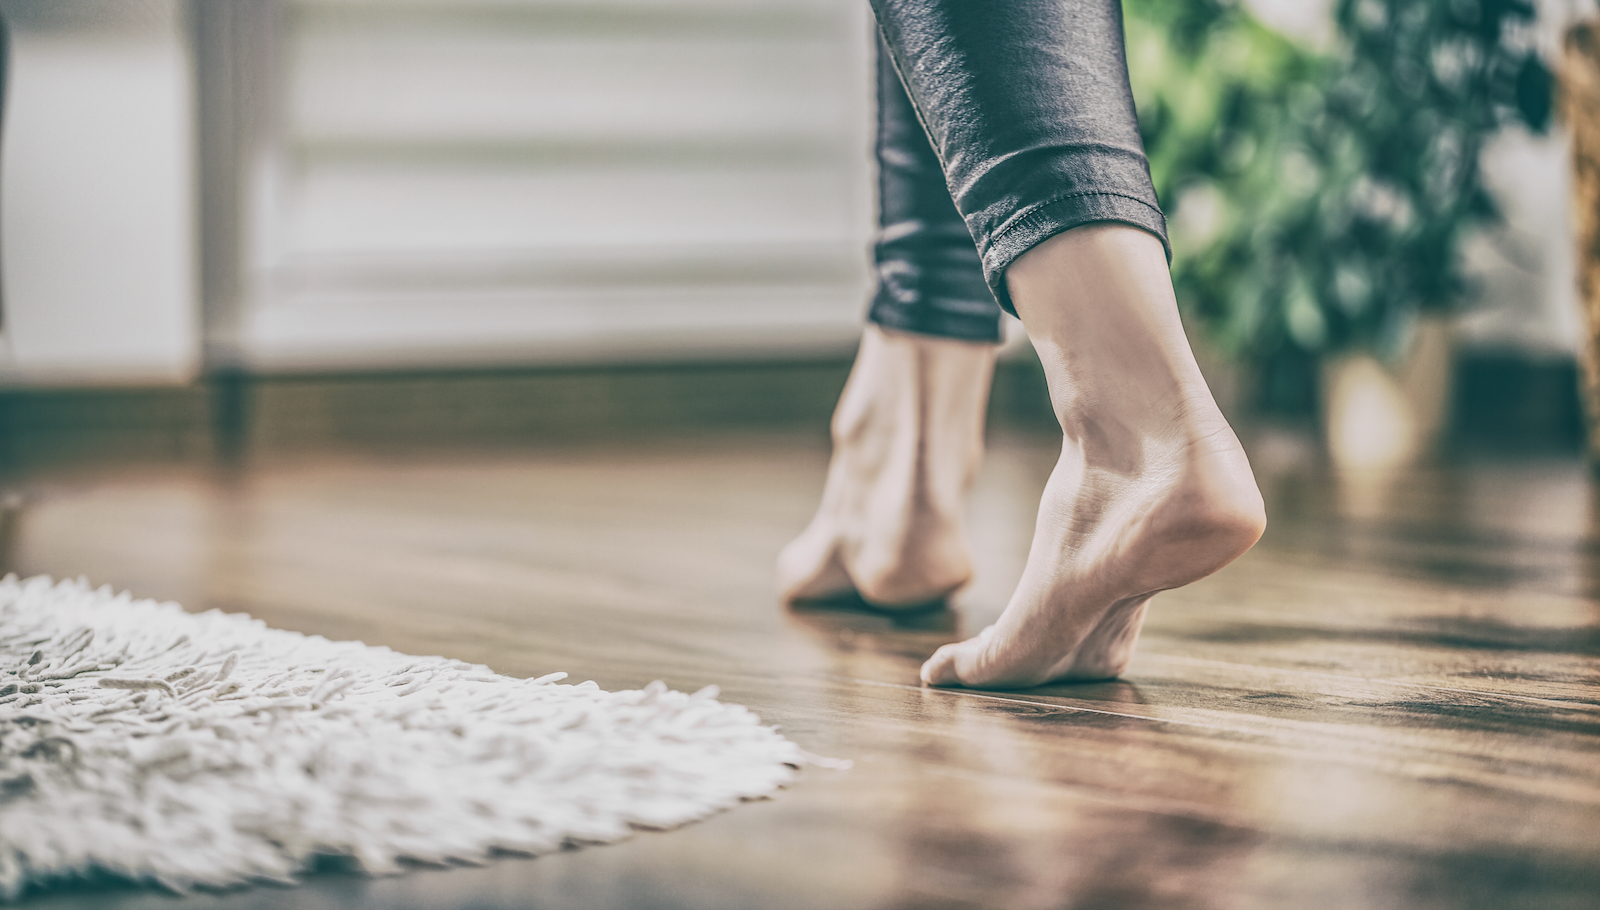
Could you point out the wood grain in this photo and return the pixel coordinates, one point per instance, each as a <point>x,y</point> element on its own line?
<point>1394,701</point>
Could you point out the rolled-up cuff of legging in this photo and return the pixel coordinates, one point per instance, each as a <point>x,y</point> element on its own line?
<point>1061,215</point>
<point>928,318</point>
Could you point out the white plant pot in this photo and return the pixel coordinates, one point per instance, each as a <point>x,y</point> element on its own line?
<point>1382,417</point>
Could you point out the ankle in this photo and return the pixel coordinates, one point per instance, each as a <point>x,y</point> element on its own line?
<point>1097,277</point>
<point>918,384</point>
<point>1098,305</point>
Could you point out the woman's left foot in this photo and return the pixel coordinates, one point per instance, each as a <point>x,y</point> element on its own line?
<point>907,439</point>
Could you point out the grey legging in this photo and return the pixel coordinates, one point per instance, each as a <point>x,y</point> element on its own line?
<point>1000,123</point>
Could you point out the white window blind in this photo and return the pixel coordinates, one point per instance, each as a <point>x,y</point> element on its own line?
<point>439,182</point>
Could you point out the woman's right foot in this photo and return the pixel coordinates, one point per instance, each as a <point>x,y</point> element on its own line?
<point>907,440</point>
<point>1152,490</point>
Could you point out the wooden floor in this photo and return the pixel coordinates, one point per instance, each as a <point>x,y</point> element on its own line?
<point>1393,701</point>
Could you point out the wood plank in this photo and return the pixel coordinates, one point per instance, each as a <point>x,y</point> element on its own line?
<point>1344,718</point>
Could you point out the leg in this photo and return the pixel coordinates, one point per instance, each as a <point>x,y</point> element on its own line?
<point>930,280</point>
<point>1152,490</point>
<point>1028,107</point>
<point>908,432</point>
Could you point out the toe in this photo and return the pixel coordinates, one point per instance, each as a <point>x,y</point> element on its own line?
<point>809,568</point>
<point>957,664</point>
<point>940,669</point>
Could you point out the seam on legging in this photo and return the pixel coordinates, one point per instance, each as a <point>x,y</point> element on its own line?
<point>1022,218</point>
<point>894,63</point>
<point>996,259</point>
<point>877,139</point>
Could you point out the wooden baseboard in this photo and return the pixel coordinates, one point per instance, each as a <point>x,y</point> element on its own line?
<point>232,416</point>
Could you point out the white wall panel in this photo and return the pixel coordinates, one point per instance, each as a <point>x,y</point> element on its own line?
<point>469,183</point>
<point>362,207</point>
<point>464,81</point>
<point>97,254</point>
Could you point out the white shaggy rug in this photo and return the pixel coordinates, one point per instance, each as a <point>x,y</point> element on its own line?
<point>209,750</point>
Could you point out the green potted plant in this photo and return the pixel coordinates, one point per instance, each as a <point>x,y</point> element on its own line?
<point>1321,198</point>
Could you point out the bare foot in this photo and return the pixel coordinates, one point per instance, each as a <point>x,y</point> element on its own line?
<point>907,439</point>
<point>1152,490</point>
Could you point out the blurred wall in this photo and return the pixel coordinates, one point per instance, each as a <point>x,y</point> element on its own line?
<point>1526,299</point>
<point>466,182</point>
<point>403,183</point>
<point>97,251</point>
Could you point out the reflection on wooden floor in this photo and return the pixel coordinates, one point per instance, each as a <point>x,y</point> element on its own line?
<point>1394,701</point>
